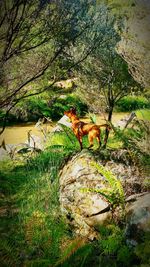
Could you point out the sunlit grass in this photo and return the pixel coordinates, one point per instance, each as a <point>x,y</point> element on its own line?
<point>143,114</point>
<point>64,140</point>
<point>31,222</point>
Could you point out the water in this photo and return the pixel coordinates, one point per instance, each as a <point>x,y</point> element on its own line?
<point>19,133</point>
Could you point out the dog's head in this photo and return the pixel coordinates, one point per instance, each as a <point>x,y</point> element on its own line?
<point>70,112</point>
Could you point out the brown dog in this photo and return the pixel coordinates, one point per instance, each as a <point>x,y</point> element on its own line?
<point>81,128</point>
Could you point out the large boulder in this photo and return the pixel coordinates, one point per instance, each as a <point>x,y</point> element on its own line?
<point>64,121</point>
<point>85,209</point>
<point>138,217</point>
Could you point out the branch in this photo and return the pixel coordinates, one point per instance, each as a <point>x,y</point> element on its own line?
<point>58,79</point>
<point>41,91</point>
<point>120,95</point>
<point>43,70</point>
<point>6,115</point>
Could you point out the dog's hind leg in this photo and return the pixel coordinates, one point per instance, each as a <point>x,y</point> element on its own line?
<point>90,138</point>
<point>99,140</point>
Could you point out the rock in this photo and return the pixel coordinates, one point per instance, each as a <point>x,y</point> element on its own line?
<point>81,206</point>
<point>124,122</point>
<point>85,209</point>
<point>7,151</point>
<point>4,154</point>
<point>138,217</point>
<point>35,142</point>
<point>64,121</point>
<point>131,177</point>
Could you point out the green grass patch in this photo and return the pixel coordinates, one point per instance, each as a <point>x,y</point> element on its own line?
<point>32,227</point>
<point>143,114</point>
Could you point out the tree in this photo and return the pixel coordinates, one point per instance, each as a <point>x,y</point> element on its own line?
<point>106,73</point>
<point>135,37</point>
<point>35,38</point>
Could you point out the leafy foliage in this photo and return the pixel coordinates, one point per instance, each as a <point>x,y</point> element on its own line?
<point>46,32</point>
<point>41,42</point>
<point>136,138</point>
<point>75,253</point>
<point>112,245</point>
<point>36,107</point>
<point>9,255</point>
<point>60,105</point>
<point>114,194</point>
<point>143,114</point>
<point>142,250</point>
<point>105,71</point>
<point>37,234</point>
<point>130,103</point>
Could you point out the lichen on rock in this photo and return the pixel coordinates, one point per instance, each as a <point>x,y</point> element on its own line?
<point>77,175</point>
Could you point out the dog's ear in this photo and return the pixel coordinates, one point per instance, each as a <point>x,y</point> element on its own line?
<point>73,110</point>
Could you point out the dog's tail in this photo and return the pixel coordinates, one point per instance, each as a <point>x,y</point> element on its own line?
<point>105,125</point>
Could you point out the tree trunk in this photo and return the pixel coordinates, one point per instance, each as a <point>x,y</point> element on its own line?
<point>107,129</point>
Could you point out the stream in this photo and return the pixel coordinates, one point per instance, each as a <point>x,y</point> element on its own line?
<point>19,133</point>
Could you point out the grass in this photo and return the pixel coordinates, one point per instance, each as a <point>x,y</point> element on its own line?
<point>31,224</point>
<point>33,230</point>
<point>143,114</point>
<point>131,103</point>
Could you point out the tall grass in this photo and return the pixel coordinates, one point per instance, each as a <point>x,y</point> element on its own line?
<point>34,232</point>
<point>32,227</point>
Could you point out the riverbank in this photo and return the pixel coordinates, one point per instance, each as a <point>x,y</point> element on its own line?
<point>18,133</point>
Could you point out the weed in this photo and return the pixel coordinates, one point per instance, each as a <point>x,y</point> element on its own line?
<point>113,248</point>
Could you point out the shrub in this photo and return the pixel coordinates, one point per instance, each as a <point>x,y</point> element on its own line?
<point>10,119</point>
<point>75,101</point>
<point>36,107</point>
<point>61,104</point>
<point>114,251</point>
<point>130,103</point>
<point>143,114</point>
